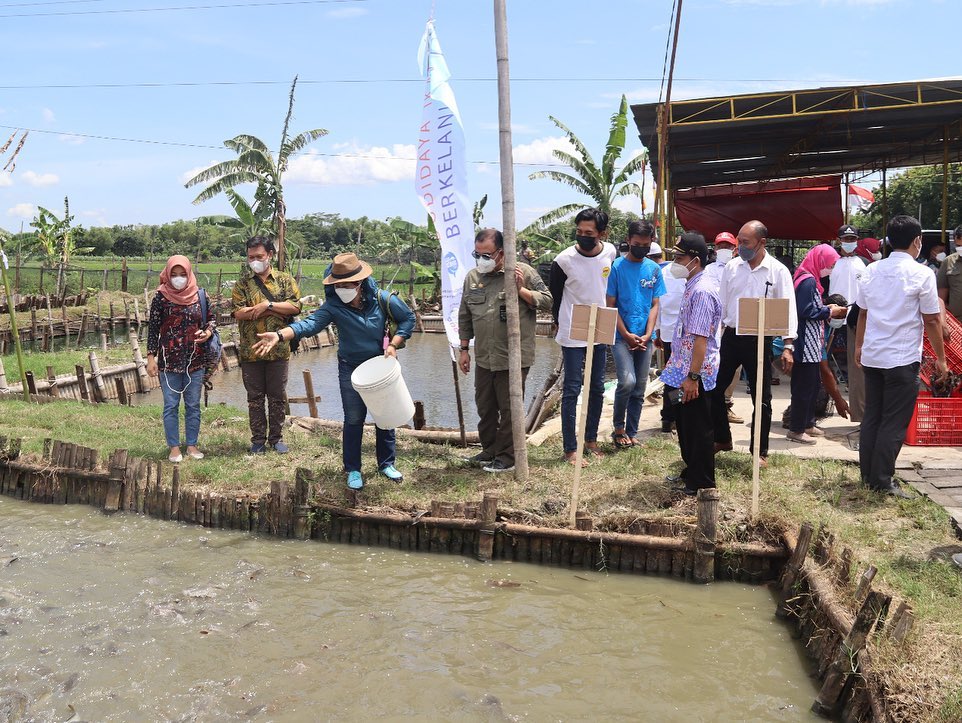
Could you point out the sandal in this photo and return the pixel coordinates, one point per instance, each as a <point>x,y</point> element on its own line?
<point>621,440</point>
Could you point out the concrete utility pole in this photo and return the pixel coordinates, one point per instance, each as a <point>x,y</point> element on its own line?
<point>506,158</point>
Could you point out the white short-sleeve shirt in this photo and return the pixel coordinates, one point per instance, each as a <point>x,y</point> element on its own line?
<point>769,279</point>
<point>895,292</point>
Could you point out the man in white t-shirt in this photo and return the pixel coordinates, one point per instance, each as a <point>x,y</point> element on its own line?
<point>897,298</point>
<point>844,280</point>
<point>579,275</point>
<point>725,244</point>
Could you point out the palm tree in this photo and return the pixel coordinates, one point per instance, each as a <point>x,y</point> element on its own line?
<point>256,164</point>
<point>602,185</point>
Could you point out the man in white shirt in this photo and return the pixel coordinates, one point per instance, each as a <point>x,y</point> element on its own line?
<point>844,280</point>
<point>667,319</point>
<point>725,244</point>
<point>579,275</point>
<point>897,298</point>
<point>754,274</point>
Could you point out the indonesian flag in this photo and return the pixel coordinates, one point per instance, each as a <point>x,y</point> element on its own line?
<point>859,199</point>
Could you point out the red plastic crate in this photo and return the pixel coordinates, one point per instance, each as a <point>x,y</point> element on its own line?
<point>936,422</point>
<point>953,353</point>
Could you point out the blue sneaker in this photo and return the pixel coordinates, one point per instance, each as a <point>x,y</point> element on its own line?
<point>354,480</point>
<point>391,473</point>
<point>258,448</point>
<point>280,448</point>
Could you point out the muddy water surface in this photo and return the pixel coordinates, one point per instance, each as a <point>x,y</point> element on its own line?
<point>126,618</point>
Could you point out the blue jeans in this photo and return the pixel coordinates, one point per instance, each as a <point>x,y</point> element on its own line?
<point>177,386</point>
<point>632,369</point>
<point>574,372</point>
<point>355,412</point>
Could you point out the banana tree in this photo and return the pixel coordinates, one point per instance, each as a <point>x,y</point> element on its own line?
<point>52,238</point>
<point>417,237</point>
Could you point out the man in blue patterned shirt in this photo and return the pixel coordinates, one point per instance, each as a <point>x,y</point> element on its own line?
<point>693,367</point>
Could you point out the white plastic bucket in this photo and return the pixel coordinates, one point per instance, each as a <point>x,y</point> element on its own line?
<point>381,386</point>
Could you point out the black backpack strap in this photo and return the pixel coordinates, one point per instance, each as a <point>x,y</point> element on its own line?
<point>264,290</point>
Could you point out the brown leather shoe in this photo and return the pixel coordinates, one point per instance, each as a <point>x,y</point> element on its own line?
<point>723,447</point>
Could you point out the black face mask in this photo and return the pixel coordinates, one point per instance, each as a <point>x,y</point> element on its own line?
<point>639,252</point>
<point>587,243</point>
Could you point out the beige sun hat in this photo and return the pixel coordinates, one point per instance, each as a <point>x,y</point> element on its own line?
<point>348,267</point>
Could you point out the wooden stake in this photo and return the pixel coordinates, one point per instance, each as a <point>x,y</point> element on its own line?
<point>52,389</point>
<point>757,435</point>
<point>100,389</point>
<point>121,391</point>
<point>706,535</point>
<point>143,380</point>
<point>309,388</point>
<point>457,395</point>
<point>583,412</point>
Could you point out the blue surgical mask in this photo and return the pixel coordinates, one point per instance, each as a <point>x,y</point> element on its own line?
<point>747,254</point>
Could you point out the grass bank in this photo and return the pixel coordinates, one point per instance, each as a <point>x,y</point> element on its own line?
<point>907,540</point>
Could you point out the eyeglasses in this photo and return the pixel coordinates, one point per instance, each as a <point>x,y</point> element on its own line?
<point>486,257</point>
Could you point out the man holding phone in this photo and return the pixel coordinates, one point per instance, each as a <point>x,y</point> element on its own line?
<point>692,369</point>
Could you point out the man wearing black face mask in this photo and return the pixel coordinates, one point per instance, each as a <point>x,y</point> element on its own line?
<point>579,275</point>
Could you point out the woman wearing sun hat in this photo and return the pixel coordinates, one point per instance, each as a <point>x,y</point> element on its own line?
<point>360,311</point>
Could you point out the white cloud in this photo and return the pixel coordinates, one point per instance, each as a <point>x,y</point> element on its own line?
<point>97,217</point>
<point>5,179</point>
<point>353,165</point>
<point>48,115</point>
<point>71,139</point>
<point>347,13</point>
<point>22,210</point>
<point>539,151</point>
<point>40,179</point>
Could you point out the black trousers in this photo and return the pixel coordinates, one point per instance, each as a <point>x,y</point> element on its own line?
<point>693,422</point>
<point>889,402</point>
<point>667,408</point>
<point>742,350</point>
<point>806,381</point>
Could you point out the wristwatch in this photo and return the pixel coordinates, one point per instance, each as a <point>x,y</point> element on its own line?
<point>270,304</point>
<point>280,337</point>
<point>465,348</point>
<point>694,376</point>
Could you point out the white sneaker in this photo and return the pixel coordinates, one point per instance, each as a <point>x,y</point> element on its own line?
<point>175,460</point>
<point>800,437</point>
<point>814,432</point>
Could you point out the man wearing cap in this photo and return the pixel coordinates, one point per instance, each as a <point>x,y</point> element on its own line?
<point>844,281</point>
<point>263,302</point>
<point>755,274</point>
<point>949,279</point>
<point>482,317</point>
<point>897,299</point>
<point>725,244</point>
<point>362,314</point>
<point>692,370</point>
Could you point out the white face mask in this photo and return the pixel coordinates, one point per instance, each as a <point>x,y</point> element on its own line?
<point>486,266</point>
<point>259,267</point>
<point>178,282</point>
<point>347,295</point>
<point>849,246</point>
<point>723,256</point>
<point>940,257</point>
<point>837,323</point>
<point>876,256</point>
<point>679,271</point>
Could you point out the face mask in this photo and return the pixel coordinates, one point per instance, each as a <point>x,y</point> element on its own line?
<point>486,266</point>
<point>876,256</point>
<point>940,257</point>
<point>639,252</point>
<point>178,282</point>
<point>587,243</point>
<point>346,295</point>
<point>849,246</point>
<point>723,256</point>
<point>259,267</point>
<point>746,254</point>
<point>837,323</point>
<point>678,270</point>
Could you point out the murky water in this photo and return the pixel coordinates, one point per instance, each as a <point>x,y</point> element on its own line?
<point>127,618</point>
<point>425,363</point>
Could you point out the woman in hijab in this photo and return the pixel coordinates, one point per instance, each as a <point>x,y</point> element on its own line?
<point>178,328</point>
<point>810,345</point>
<point>869,249</point>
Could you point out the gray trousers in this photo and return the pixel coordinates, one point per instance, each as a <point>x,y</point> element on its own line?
<point>856,379</point>
<point>491,395</point>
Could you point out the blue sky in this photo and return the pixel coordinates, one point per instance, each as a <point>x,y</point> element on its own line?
<point>570,59</point>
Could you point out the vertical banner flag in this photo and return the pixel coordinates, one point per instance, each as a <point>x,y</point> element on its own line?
<point>441,178</point>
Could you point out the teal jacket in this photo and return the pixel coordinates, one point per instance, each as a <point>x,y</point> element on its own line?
<point>360,332</point>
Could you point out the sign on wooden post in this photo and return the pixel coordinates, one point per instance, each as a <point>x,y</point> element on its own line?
<point>760,320</point>
<point>595,325</point>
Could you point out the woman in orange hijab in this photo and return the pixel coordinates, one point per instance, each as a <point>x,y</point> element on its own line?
<point>178,329</point>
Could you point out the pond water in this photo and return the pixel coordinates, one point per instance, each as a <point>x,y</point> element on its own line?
<point>126,618</point>
<point>425,363</point>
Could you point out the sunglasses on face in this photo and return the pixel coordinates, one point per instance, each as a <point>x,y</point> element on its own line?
<point>486,257</point>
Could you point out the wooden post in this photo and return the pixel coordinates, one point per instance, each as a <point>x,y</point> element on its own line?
<point>110,321</point>
<point>309,388</point>
<point>3,378</point>
<point>489,515</point>
<point>115,480</point>
<point>584,522</point>
<point>83,329</point>
<point>794,569</point>
<point>757,434</point>
<point>143,381</point>
<point>419,422</point>
<point>121,391</point>
<point>123,275</point>
<point>103,343</point>
<point>706,535</point>
<point>583,412</point>
<point>457,394</point>
<point>219,287</point>
<point>100,389</point>
<point>82,382</point>
<point>845,662</point>
<point>865,583</point>
<point>137,314</point>
<point>33,327</point>
<point>31,383</point>
<point>302,525</point>
<point>52,389</point>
